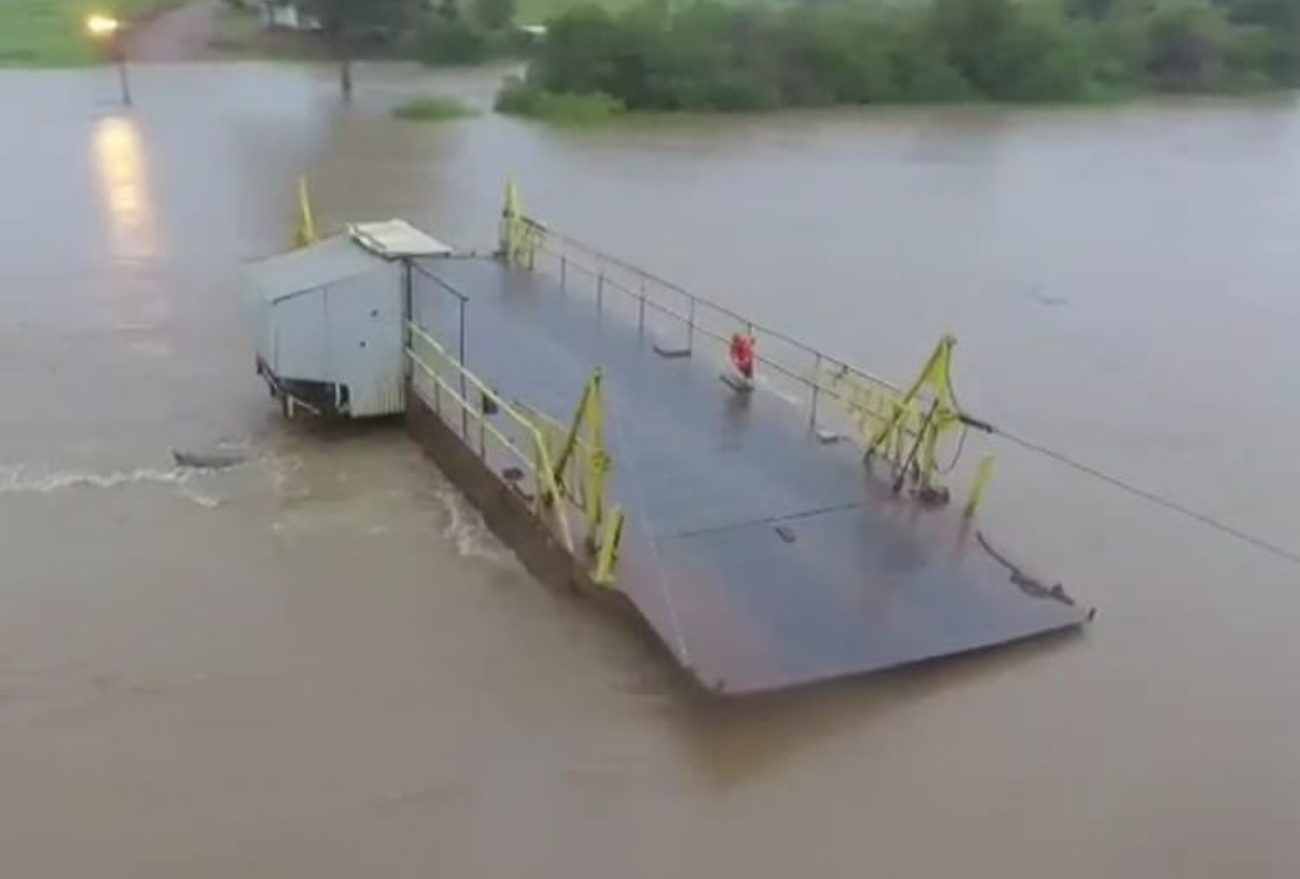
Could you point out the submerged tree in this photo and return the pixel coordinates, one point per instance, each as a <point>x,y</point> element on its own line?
<point>345,21</point>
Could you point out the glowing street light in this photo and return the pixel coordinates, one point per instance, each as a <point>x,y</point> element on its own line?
<point>101,26</point>
<point>109,29</point>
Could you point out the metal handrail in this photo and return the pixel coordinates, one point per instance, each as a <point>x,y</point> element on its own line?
<point>548,233</point>
<point>822,366</point>
<point>546,490</point>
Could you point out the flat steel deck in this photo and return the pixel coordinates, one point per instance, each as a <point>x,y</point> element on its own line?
<point>855,580</point>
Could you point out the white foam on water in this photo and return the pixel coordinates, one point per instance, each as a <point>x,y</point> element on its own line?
<point>40,480</point>
<point>26,479</point>
<point>465,528</point>
<point>190,493</point>
<point>283,469</point>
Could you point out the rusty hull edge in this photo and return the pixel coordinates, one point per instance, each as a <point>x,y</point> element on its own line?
<point>510,516</point>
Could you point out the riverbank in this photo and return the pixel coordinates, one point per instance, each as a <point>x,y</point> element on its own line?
<point>52,33</point>
<point>623,57</point>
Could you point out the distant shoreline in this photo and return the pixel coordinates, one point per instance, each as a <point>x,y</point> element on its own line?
<point>51,34</point>
<point>719,57</point>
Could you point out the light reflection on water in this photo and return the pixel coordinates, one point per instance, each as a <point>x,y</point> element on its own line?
<point>120,165</point>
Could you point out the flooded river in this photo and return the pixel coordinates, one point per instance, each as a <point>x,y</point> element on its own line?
<point>319,665</point>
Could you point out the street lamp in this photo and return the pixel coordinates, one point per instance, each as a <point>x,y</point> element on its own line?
<point>108,29</point>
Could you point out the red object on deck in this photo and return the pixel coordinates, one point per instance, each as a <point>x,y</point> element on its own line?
<point>742,354</point>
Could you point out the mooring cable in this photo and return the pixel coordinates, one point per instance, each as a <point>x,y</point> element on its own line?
<point>1137,491</point>
<point>1150,496</point>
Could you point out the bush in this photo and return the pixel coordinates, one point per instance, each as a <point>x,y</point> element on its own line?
<point>452,41</point>
<point>432,108</point>
<point>494,15</point>
<point>1186,46</point>
<point>518,97</point>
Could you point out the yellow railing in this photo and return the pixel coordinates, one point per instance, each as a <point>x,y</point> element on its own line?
<point>563,468</point>
<point>582,467</point>
<point>304,230</point>
<point>904,426</point>
<point>515,450</point>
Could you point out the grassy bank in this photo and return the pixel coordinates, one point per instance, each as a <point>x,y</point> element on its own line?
<point>51,33</point>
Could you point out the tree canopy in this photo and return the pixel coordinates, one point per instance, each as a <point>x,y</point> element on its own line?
<point>712,56</point>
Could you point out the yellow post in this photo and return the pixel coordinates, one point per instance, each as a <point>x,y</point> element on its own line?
<point>304,234</point>
<point>935,374</point>
<point>607,553</point>
<point>591,452</point>
<point>583,447</point>
<point>982,476</point>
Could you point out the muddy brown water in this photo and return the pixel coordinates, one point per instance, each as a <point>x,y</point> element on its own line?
<point>319,665</point>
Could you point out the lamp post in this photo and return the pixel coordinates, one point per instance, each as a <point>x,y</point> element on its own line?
<point>107,29</point>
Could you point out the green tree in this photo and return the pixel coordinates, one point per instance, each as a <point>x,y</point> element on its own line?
<point>711,56</point>
<point>452,40</point>
<point>1271,30</point>
<point>969,30</point>
<point>1187,44</point>
<point>1041,56</point>
<point>494,15</point>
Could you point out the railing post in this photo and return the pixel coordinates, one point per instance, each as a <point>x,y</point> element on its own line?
<point>408,315</point>
<point>816,391</point>
<point>564,273</point>
<point>460,355</point>
<point>690,325</point>
<point>538,464</point>
<point>600,292</point>
<point>640,317</point>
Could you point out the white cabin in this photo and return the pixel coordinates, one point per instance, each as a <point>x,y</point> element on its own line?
<point>328,320</point>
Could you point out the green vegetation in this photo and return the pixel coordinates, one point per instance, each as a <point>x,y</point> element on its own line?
<point>52,33</point>
<point>350,25</point>
<point>448,40</point>
<point>432,108</point>
<point>520,98</point>
<point>494,15</point>
<point>540,11</point>
<point>714,56</point>
<point>448,32</point>
<point>449,36</point>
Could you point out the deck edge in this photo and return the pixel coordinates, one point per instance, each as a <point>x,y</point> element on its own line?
<point>503,509</point>
<point>509,516</point>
